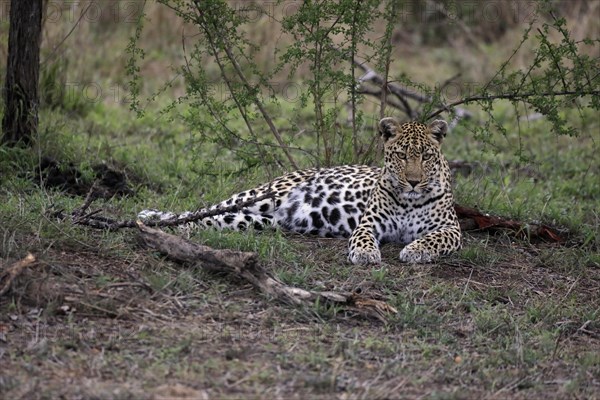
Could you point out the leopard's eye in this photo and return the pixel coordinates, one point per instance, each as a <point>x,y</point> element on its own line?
<point>401,156</point>
<point>427,156</point>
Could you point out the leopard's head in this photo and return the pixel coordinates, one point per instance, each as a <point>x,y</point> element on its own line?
<point>414,163</point>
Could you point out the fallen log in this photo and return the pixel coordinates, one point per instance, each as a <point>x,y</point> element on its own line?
<point>246,265</point>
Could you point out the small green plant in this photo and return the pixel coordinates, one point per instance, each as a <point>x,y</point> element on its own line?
<point>379,274</point>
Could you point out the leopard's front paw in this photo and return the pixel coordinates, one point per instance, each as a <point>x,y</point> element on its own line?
<point>416,255</point>
<point>364,256</point>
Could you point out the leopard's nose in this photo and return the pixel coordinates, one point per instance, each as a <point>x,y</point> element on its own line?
<point>413,183</point>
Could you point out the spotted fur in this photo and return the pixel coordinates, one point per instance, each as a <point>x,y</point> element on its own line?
<point>407,201</point>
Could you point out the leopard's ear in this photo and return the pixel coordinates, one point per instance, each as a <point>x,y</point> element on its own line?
<point>388,128</point>
<point>438,130</point>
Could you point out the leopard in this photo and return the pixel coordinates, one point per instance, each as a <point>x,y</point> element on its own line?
<point>408,200</point>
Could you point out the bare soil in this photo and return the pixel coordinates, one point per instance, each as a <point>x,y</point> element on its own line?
<point>86,325</point>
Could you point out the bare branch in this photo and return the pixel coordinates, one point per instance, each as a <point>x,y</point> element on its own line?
<point>401,93</point>
<point>512,96</point>
<point>389,100</point>
<point>375,78</point>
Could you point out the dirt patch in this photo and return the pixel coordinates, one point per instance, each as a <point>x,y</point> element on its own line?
<point>85,324</point>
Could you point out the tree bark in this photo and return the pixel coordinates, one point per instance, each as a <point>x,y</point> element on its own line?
<point>21,97</point>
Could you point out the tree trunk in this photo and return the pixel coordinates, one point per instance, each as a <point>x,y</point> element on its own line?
<point>21,98</point>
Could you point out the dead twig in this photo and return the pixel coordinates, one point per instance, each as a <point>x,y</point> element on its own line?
<point>370,75</point>
<point>245,265</point>
<point>584,329</point>
<point>89,199</point>
<point>9,274</point>
<point>395,102</point>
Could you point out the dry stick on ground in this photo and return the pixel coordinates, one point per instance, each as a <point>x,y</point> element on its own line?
<point>246,266</point>
<point>9,274</point>
<point>89,199</point>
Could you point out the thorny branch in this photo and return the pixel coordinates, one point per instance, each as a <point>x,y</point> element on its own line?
<point>512,96</point>
<point>202,21</point>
